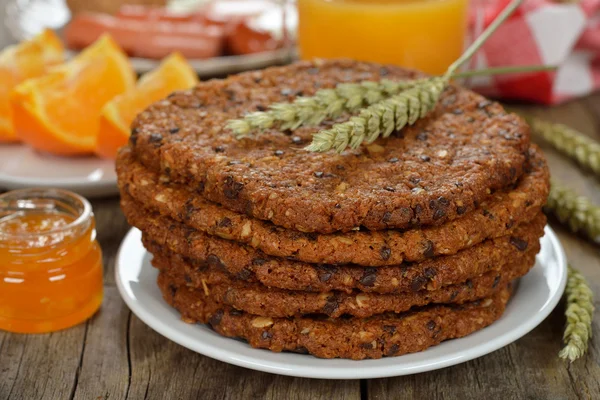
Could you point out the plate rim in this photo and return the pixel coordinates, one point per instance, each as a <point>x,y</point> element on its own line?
<point>371,372</point>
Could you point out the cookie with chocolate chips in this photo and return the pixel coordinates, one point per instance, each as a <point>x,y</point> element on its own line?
<point>143,189</point>
<point>458,158</point>
<point>379,336</point>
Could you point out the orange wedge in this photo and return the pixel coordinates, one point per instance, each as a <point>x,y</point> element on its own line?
<point>60,112</point>
<point>28,59</point>
<point>174,73</point>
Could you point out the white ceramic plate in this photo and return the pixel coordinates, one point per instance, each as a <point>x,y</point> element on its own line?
<point>535,297</point>
<point>26,18</point>
<point>21,167</point>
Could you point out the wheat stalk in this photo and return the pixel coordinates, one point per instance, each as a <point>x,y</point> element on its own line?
<point>576,145</point>
<point>579,312</point>
<point>405,108</point>
<point>577,212</point>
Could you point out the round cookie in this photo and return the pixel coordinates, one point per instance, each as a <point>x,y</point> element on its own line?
<point>257,299</point>
<point>355,338</point>
<point>427,174</point>
<point>493,218</point>
<point>201,252</point>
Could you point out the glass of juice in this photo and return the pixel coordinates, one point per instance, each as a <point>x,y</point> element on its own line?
<point>50,261</point>
<point>427,35</point>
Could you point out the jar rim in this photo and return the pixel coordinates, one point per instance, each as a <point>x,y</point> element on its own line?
<point>82,206</point>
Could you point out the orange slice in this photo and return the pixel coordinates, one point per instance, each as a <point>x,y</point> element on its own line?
<point>29,59</point>
<point>174,73</point>
<point>60,112</point>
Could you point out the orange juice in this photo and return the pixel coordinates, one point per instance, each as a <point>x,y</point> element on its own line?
<point>50,262</point>
<point>423,34</point>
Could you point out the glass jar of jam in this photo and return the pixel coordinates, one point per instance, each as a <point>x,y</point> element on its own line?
<point>50,261</point>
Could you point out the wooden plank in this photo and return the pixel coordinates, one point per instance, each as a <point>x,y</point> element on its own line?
<point>104,372</point>
<point>161,369</point>
<point>111,227</point>
<point>40,366</point>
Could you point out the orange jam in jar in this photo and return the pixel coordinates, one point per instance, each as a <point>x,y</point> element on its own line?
<point>50,261</point>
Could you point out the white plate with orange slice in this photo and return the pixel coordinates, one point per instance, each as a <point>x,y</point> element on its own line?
<point>62,122</point>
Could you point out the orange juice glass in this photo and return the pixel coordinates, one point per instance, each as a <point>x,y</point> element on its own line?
<point>50,262</point>
<point>423,34</point>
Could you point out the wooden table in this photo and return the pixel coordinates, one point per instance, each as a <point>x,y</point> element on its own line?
<point>116,356</point>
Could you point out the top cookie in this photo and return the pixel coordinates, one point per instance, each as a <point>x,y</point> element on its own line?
<point>426,174</point>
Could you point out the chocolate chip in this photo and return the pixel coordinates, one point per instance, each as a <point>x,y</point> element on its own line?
<point>430,325</point>
<point>331,306</point>
<point>260,107</point>
<point>393,160</point>
<point>278,152</point>
<point>443,201</point>
<point>257,79</point>
<point>236,313</point>
<point>425,158</point>
<point>469,284</point>
<point>189,209</point>
<point>387,216</point>
<point>429,272</point>
<point>318,174</point>
<point>155,138</point>
<point>259,261</point>
<point>325,275</point>
<point>439,213</point>
<point>244,274</point>
<point>173,289</point>
<point>389,189</point>
<point>414,180</point>
<point>168,171</point>
<point>219,149</point>
<point>422,136</point>
<point>418,209</point>
<point>461,210</point>
<point>214,261</point>
<point>369,277</point>
<point>519,243</point>
<point>454,294</point>
<point>216,318</point>
<point>187,278</point>
<point>201,187</point>
<point>225,223</point>
<point>428,250</point>
<point>173,130</point>
<point>391,329</point>
<point>232,188</point>
<point>385,253</point>
<point>458,184</point>
<point>337,205</point>
<point>488,214</point>
<point>296,140</point>
<point>418,283</point>
<point>266,335</point>
<point>496,282</point>
<point>367,346</point>
<point>393,350</point>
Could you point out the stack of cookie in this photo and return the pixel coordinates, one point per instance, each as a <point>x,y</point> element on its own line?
<point>379,251</point>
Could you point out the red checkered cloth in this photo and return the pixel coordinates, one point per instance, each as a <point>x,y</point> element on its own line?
<point>563,34</point>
